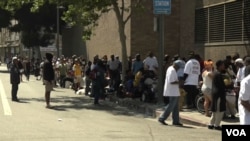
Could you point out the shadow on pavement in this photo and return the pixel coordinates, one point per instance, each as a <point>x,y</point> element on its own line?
<point>63,103</point>
<point>4,71</point>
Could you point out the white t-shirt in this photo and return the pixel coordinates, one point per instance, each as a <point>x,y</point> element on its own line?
<point>244,94</point>
<point>113,65</point>
<point>240,75</point>
<point>171,89</point>
<point>207,81</point>
<point>192,68</point>
<point>151,63</point>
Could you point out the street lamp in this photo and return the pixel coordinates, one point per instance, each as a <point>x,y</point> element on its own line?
<point>58,28</point>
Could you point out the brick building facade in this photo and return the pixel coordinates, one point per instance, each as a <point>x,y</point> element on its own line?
<point>222,27</point>
<point>212,28</point>
<point>141,38</point>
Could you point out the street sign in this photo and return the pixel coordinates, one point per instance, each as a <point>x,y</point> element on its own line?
<point>162,7</point>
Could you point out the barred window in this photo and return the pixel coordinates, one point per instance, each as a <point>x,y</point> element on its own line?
<point>216,23</point>
<point>233,21</point>
<point>246,20</point>
<point>201,22</point>
<point>223,23</point>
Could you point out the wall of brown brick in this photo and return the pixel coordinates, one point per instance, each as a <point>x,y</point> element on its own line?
<point>220,52</point>
<point>187,23</point>
<point>179,32</point>
<point>144,39</point>
<point>105,39</point>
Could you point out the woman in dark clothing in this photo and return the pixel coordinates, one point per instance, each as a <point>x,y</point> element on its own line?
<point>98,82</point>
<point>21,68</point>
<point>27,69</point>
<point>14,78</point>
<point>218,96</point>
<point>37,68</point>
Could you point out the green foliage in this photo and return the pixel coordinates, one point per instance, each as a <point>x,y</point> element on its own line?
<point>36,20</point>
<point>5,17</point>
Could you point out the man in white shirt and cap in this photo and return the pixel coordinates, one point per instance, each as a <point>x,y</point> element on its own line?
<point>171,89</point>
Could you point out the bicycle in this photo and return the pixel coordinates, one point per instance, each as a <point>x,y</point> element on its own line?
<point>199,102</point>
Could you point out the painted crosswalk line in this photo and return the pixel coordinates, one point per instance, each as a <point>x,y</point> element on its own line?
<point>5,103</point>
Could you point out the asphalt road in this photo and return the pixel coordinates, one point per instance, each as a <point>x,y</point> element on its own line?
<point>75,118</point>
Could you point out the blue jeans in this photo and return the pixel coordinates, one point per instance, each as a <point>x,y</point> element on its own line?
<point>173,106</point>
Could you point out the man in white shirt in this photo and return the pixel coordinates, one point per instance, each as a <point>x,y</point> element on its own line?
<point>239,63</point>
<point>113,67</point>
<point>191,77</point>
<point>171,90</point>
<point>244,100</point>
<point>151,63</point>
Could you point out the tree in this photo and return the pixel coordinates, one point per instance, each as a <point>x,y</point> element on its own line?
<point>5,17</point>
<point>36,27</point>
<point>87,12</point>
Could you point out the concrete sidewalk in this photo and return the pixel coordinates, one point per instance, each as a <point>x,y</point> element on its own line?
<point>192,117</point>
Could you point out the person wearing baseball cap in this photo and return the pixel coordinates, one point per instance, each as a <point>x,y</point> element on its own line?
<point>14,78</point>
<point>171,89</point>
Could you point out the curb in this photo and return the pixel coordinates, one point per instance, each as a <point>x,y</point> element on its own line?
<point>135,104</point>
<point>151,110</point>
<point>184,119</point>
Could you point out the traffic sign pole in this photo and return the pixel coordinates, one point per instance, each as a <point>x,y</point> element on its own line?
<point>161,7</point>
<point>161,51</point>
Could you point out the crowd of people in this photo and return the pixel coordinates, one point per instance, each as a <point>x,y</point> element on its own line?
<point>77,73</point>
<point>223,83</point>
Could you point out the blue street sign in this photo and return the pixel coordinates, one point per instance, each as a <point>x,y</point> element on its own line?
<point>162,7</point>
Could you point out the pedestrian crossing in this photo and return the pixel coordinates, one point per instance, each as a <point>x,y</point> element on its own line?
<point>5,103</point>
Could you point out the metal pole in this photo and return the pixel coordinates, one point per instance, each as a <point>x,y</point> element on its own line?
<point>57,30</point>
<point>161,56</point>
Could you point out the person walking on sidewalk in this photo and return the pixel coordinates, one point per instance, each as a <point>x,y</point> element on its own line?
<point>244,99</point>
<point>218,96</point>
<point>48,78</point>
<point>14,78</point>
<point>171,89</point>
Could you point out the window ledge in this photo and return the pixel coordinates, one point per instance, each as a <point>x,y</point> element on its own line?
<point>224,43</point>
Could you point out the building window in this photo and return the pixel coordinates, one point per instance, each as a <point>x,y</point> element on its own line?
<point>201,22</point>
<point>223,23</point>
<point>233,21</point>
<point>216,23</point>
<point>246,20</point>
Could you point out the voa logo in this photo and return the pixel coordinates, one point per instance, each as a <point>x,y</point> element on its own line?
<point>236,132</point>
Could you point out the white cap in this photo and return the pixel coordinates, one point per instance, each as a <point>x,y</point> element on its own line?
<point>14,58</point>
<point>239,60</point>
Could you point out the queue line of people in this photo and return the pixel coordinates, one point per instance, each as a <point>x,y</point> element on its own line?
<point>216,82</point>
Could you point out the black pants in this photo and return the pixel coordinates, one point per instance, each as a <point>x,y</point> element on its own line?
<point>166,100</point>
<point>115,79</point>
<point>192,92</point>
<point>67,79</point>
<point>14,91</point>
<point>61,81</point>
